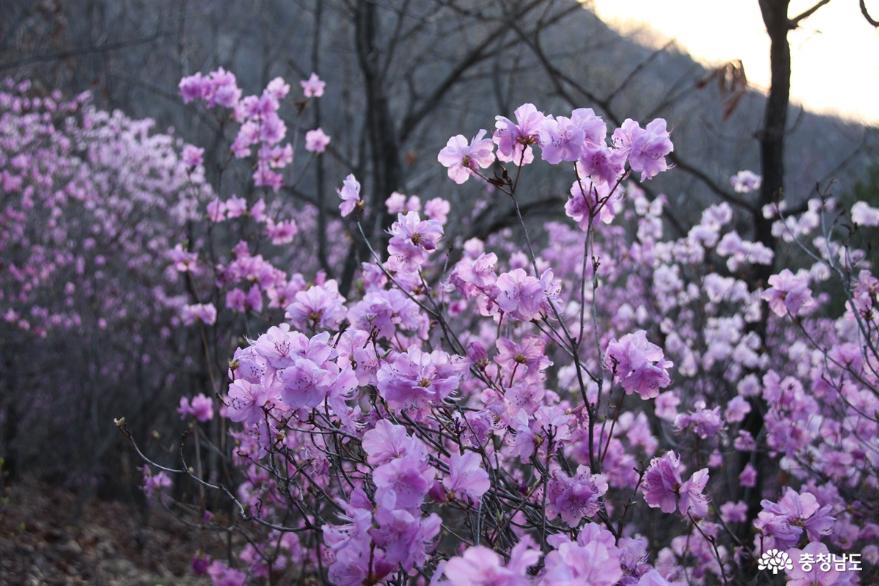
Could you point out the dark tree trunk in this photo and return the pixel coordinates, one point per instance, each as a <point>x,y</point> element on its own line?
<point>771,137</point>
<point>9,469</point>
<point>320,171</point>
<point>775,117</point>
<point>384,149</point>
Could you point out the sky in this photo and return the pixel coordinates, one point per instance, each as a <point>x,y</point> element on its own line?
<point>834,53</point>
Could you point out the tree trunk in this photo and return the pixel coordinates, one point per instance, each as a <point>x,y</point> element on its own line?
<point>384,149</point>
<point>771,137</point>
<point>775,117</point>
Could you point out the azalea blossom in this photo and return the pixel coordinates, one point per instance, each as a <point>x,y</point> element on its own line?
<point>745,181</point>
<point>639,365</point>
<point>865,215</point>
<point>313,87</point>
<point>664,489</point>
<point>205,313</point>
<point>788,293</point>
<point>413,239</point>
<point>316,141</point>
<point>575,497</point>
<point>417,378</point>
<point>466,476</point>
<point>464,158</point>
<point>515,139</point>
<point>480,566</point>
<point>646,148</point>
<point>350,196</point>
<point>786,520</point>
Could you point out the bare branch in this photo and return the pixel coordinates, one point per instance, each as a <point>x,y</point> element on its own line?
<point>795,21</point>
<point>866,14</point>
<point>78,51</point>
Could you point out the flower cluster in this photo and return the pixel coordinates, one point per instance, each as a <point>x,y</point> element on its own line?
<point>479,411</point>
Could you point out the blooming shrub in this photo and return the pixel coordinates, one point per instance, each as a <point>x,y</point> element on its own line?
<point>84,191</point>
<point>88,201</point>
<point>596,404</point>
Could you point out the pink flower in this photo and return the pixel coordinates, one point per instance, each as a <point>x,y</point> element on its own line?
<point>247,364</point>
<point>480,566</point>
<point>463,158</point>
<point>788,293</point>
<point>205,313</point>
<point>194,87</point>
<point>184,260</point>
<point>277,89</point>
<point>416,378</point>
<point>666,405</point>
<point>865,215</point>
<point>602,164</point>
<point>192,156</point>
<point>646,148</point>
<point>413,239</point>
<point>638,365</point>
<point>466,477</point>
<point>748,476</point>
<point>575,497</point>
<point>320,307</point>
<point>216,210</point>
<point>316,141</point>
<point>591,201</point>
<point>386,312</point>
<point>313,87</point>
<point>387,441</point>
<point>154,484</point>
<point>223,575</point>
<point>736,409</point>
<point>785,520</point>
<point>703,422</point>
<point>564,139</point>
<point>692,499</point>
<point>281,232</point>
<point>306,383</point>
<point>514,139</point>
<point>224,89</point>
<point>409,478</point>
<point>745,182</point>
<point>662,482</point>
<point>595,563</point>
<point>396,203</point>
<point>664,489</point>
<point>238,300</point>
<point>520,295</point>
<point>437,209</point>
<point>272,129</point>
<point>245,401</point>
<point>218,89</point>
<point>184,409</point>
<point>201,407</point>
<point>734,512</point>
<point>525,356</point>
<point>236,207</point>
<point>810,573</point>
<point>279,346</point>
<point>403,536</point>
<point>350,195</point>
<point>235,300</point>
<point>654,578</point>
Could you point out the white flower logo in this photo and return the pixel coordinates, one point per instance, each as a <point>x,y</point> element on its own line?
<point>775,561</point>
